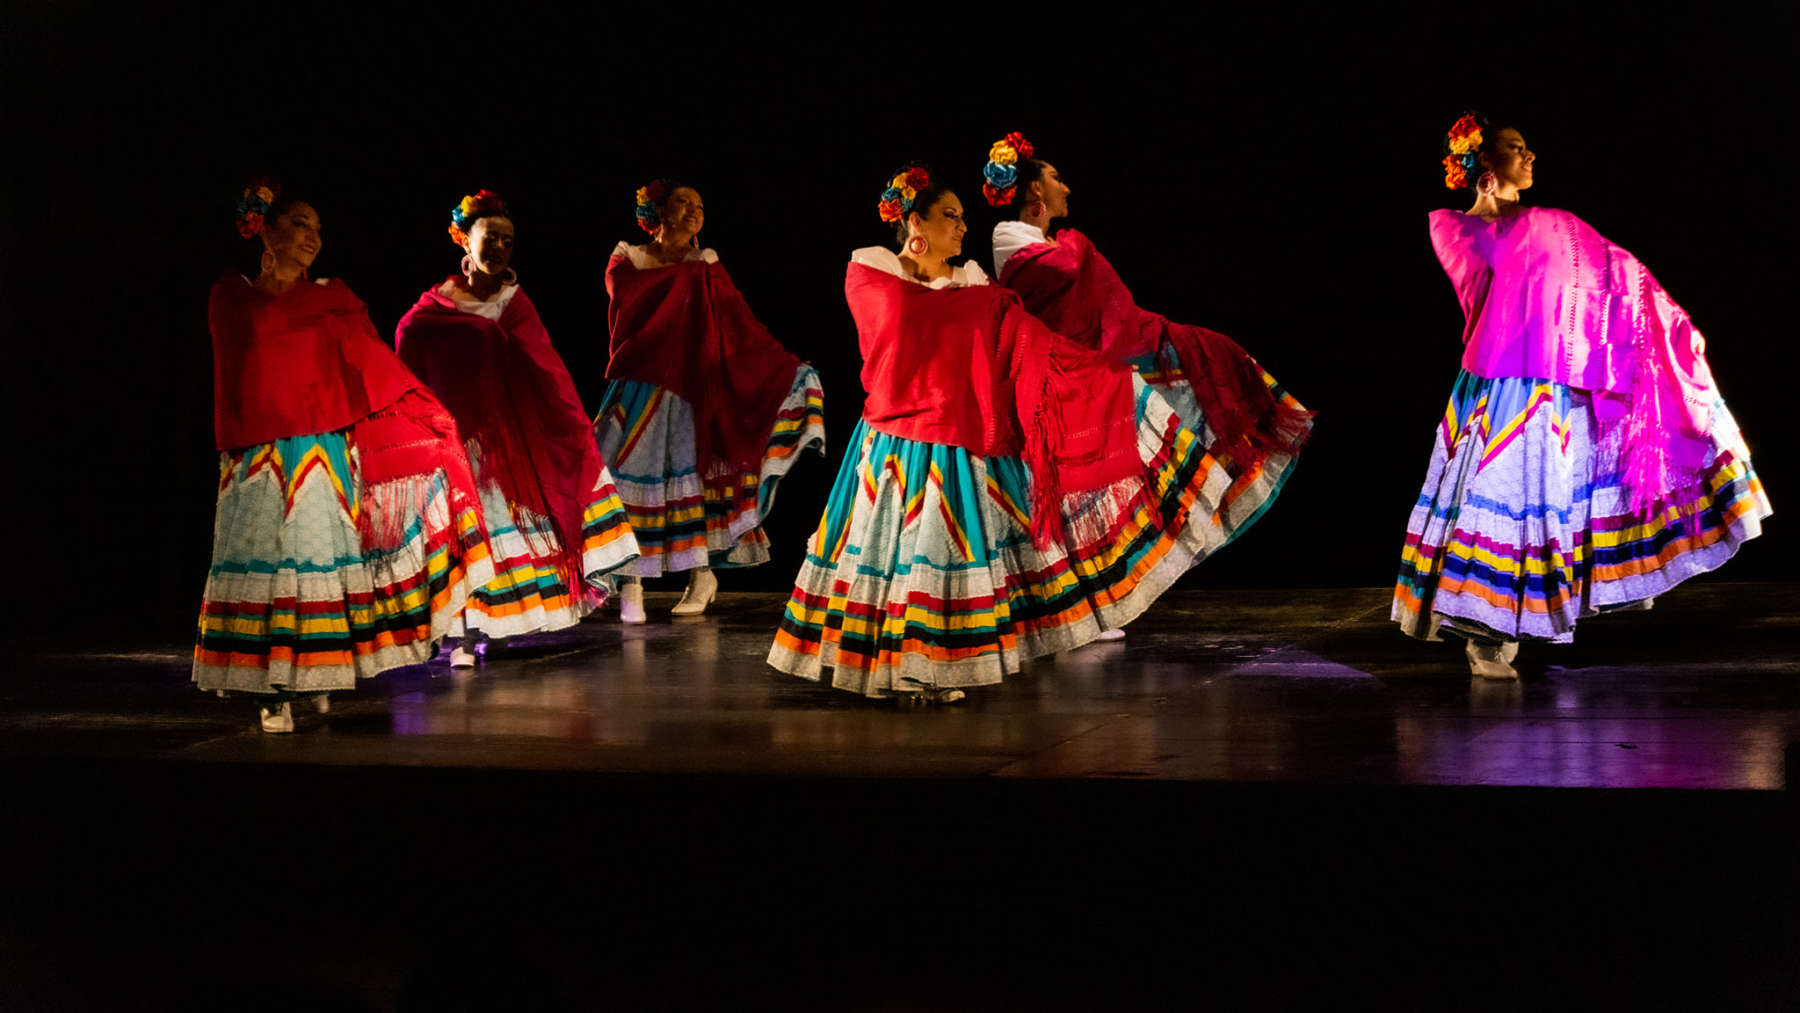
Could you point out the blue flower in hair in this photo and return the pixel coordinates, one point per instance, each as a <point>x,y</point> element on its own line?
<point>893,193</point>
<point>1002,176</point>
<point>1468,160</point>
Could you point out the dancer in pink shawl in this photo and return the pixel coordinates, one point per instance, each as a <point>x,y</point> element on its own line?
<point>1253,428</point>
<point>554,518</point>
<point>1586,462</point>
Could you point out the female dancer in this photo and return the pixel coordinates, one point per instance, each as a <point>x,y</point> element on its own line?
<point>705,412</point>
<point>348,532</point>
<point>1252,427</point>
<point>1585,462</point>
<point>555,522</point>
<point>1010,493</point>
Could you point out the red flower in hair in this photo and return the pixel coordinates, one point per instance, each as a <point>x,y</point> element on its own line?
<point>918,178</point>
<point>251,224</point>
<point>998,198</point>
<point>1018,143</point>
<point>657,192</point>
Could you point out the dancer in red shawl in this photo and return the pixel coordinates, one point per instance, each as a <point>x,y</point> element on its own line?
<point>705,412</point>
<point>348,532</point>
<point>554,519</point>
<point>1253,428</point>
<point>1008,494</point>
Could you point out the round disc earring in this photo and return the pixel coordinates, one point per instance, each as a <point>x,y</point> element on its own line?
<point>917,245</point>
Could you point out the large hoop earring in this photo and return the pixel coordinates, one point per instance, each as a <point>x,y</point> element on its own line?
<point>267,263</point>
<point>1487,184</point>
<point>511,277</point>
<point>917,245</point>
<point>1035,209</point>
<point>468,265</point>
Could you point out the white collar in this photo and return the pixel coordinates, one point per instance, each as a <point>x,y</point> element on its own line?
<point>492,310</point>
<point>641,259</point>
<point>1010,238</point>
<point>883,259</point>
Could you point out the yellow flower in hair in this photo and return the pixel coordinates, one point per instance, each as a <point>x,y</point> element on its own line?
<point>468,205</point>
<point>1003,153</point>
<point>899,183</point>
<point>1465,144</point>
<point>908,192</point>
<point>643,195</point>
<point>265,195</point>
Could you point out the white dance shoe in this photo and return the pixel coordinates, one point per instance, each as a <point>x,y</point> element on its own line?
<point>702,588</point>
<point>631,603</point>
<point>1492,661</point>
<point>322,703</point>
<point>462,657</point>
<point>1110,634</point>
<point>279,719</point>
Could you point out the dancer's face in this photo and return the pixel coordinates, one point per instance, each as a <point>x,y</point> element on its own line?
<point>943,226</point>
<point>491,244</point>
<point>683,211</point>
<point>1053,191</point>
<point>1510,160</point>
<point>293,235</point>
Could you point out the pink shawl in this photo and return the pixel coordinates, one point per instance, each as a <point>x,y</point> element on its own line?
<point>1547,297</point>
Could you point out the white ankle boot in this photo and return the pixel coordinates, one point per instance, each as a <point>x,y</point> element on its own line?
<point>1492,661</point>
<point>278,719</point>
<point>702,588</point>
<point>631,602</point>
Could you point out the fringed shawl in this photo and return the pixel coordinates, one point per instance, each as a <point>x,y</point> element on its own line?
<point>512,396</point>
<point>685,327</point>
<point>1547,297</point>
<point>1072,288</point>
<point>305,361</point>
<point>969,367</point>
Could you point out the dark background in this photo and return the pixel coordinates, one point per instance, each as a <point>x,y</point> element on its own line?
<point>1265,173</point>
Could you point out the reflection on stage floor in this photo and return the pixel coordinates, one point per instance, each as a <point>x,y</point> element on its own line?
<point>1289,685</point>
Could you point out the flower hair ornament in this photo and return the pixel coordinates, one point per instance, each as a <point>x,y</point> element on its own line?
<point>470,208</point>
<point>253,204</point>
<point>1001,173</point>
<point>902,190</point>
<point>649,205</point>
<point>1463,144</point>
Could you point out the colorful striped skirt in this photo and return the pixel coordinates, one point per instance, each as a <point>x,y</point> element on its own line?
<point>1523,525</point>
<point>681,518</point>
<point>1253,490</point>
<point>318,579</point>
<point>922,574</point>
<point>528,593</point>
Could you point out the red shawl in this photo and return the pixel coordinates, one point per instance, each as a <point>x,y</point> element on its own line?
<point>969,367</point>
<point>685,327</point>
<point>305,361</point>
<point>511,394</point>
<point>1073,289</point>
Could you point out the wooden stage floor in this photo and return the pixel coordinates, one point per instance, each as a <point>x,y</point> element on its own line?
<point>1259,800</point>
<point>1291,685</point>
